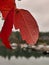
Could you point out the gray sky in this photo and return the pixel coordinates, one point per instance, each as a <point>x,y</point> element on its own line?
<point>39,9</point>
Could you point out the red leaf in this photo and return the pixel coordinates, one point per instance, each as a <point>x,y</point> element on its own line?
<point>6,6</point>
<point>27,25</point>
<point>7,29</point>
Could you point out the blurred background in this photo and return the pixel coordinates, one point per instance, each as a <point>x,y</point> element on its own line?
<point>40,10</point>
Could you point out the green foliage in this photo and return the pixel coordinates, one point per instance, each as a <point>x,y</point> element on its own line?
<point>16,38</point>
<point>43,38</point>
<point>27,53</point>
